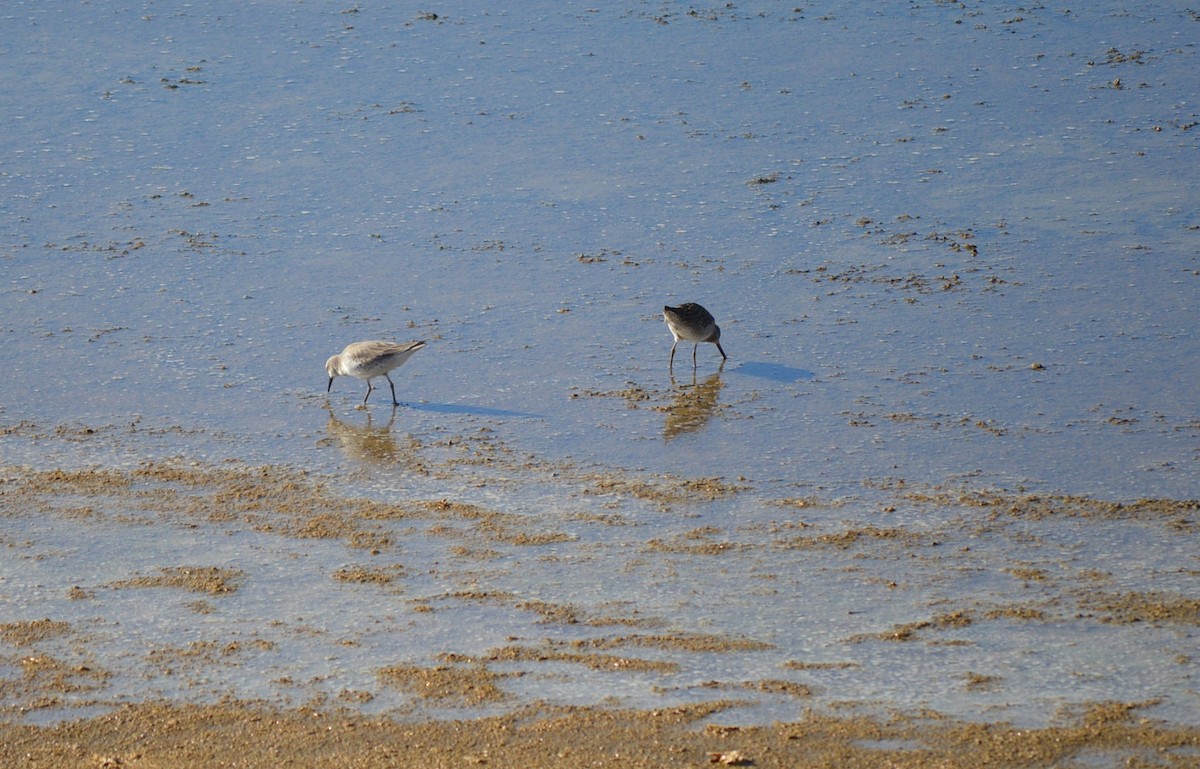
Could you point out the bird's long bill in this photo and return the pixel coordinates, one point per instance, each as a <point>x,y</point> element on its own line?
<point>723,355</point>
<point>330,387</point>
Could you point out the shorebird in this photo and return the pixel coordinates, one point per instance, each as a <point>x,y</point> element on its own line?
<point>695,324</point>
<point>366,360</point>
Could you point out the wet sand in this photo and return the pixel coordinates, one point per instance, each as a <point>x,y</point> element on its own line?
<point>47,690</point>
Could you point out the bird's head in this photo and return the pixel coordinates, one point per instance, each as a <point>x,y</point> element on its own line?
<point>331,368</point>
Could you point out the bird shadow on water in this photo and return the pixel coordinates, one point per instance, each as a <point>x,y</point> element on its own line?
<point>469,410</point>
<point>776,372</point>
<point>464,409</point>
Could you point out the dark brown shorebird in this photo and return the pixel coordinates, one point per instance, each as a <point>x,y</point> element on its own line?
<point>366,360</point>
<point>692,323</point>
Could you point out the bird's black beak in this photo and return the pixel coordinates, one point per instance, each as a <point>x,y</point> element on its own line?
<point>330,387</point>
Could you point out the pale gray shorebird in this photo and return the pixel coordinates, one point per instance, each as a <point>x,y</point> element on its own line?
<point>692,323</point>
<point>366,360</point>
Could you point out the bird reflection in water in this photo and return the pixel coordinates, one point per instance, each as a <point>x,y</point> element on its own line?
<point>368,443</point>
<point>692,405</point>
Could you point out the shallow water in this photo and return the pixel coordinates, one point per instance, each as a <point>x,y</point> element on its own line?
<point>967,265</point>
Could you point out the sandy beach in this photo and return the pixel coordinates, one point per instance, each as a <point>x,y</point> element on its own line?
<point>244,736</point>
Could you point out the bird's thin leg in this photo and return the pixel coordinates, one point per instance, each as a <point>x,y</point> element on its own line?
<point>694,348</point>
<point>368,395</point>
<point>394,401</point>
<point>671,365</point>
